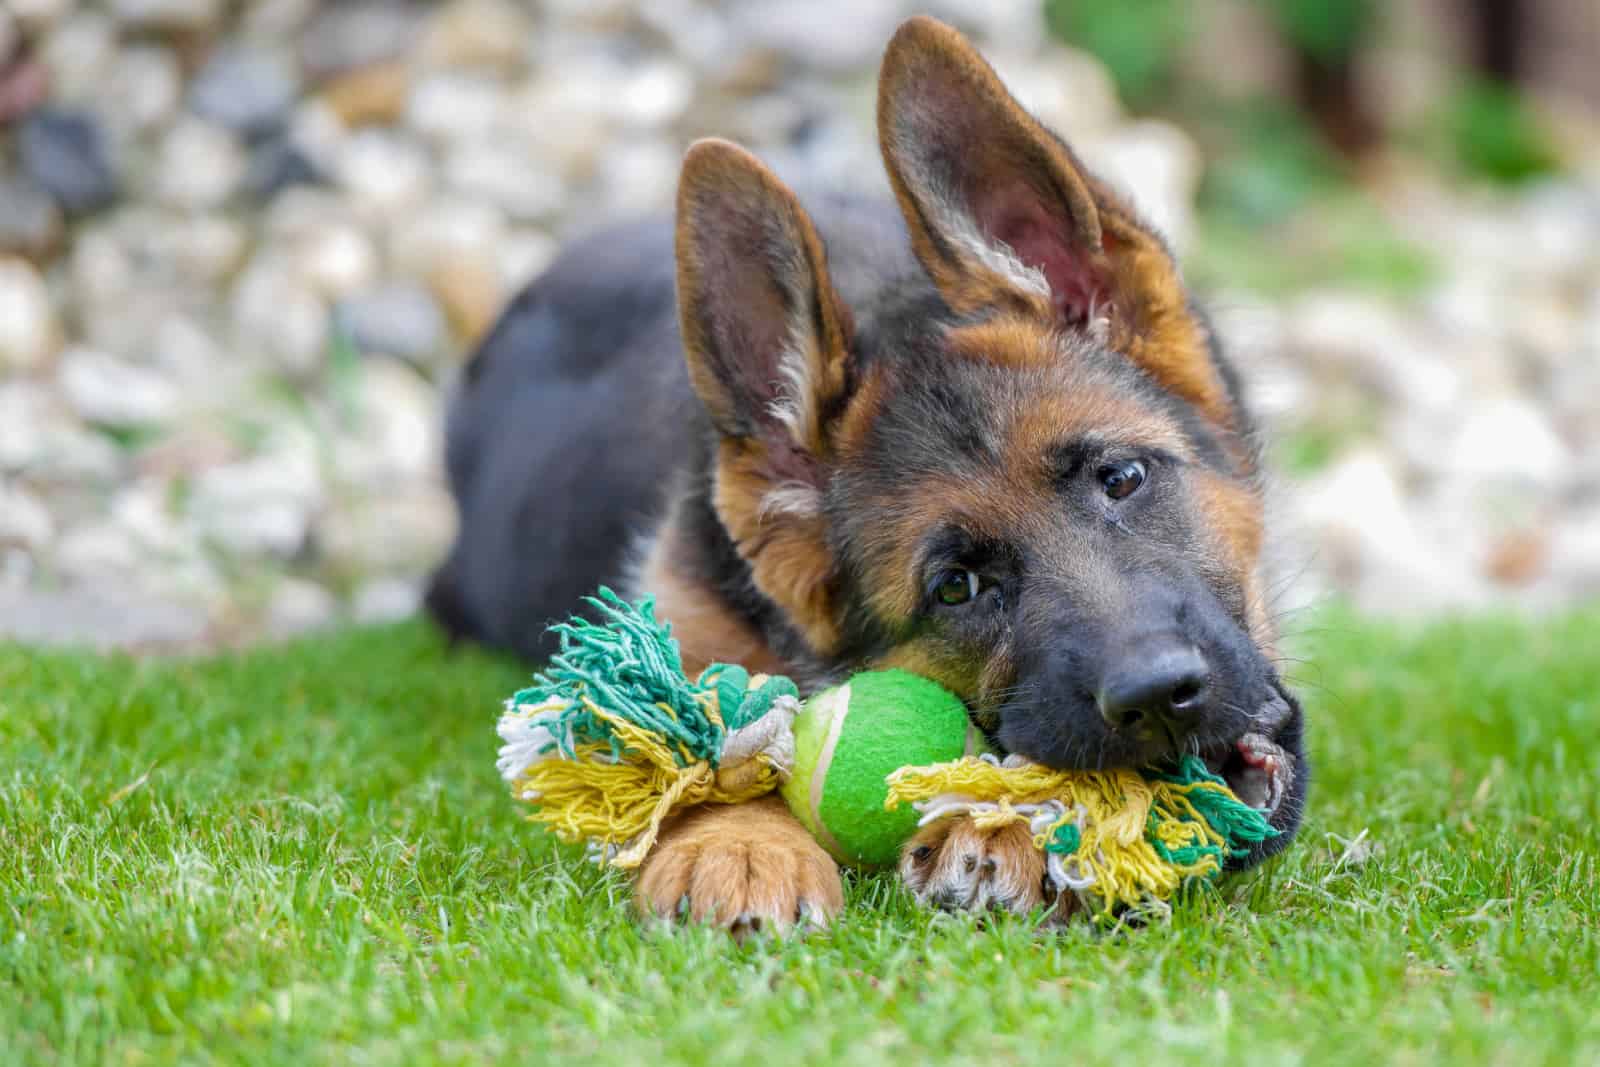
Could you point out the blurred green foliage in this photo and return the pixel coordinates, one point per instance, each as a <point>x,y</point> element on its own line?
<point>1280,207</point>
<point>1137,40</point>
<point>1491,133</point>
<point>1327,29</point>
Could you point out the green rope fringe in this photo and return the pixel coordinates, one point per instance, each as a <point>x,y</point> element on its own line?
<point>630,665</point>
<point>1238,823</point>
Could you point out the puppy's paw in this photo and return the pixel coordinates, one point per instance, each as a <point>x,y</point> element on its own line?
<point>956,865</point>
<point>745,867</point>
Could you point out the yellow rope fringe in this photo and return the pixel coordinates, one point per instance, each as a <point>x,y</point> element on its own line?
<point>622,805</point>
<point>1112,811</point>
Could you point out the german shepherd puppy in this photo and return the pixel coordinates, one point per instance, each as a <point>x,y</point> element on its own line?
<point>987,437</point>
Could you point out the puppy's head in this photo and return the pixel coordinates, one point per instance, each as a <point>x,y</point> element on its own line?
<point>1030,480</point>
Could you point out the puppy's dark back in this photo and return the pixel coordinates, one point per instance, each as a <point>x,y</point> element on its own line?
<point>575,420</point>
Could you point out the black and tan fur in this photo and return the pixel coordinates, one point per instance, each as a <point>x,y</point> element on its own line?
<point>792,427</point>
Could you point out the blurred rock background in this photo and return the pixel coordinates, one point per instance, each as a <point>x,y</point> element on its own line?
<point>245,245</point>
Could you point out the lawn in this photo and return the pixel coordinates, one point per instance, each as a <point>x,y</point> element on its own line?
<point>303,855</point>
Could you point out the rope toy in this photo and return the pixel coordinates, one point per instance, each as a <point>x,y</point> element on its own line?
<point>1114,838</point>
<point>612,738</point>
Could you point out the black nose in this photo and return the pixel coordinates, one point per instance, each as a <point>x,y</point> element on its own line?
<point>1163,686</point>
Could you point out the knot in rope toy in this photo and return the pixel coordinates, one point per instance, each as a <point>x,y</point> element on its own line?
<point>612,737</point>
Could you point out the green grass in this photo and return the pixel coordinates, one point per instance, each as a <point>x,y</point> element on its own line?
<point>302,855</point>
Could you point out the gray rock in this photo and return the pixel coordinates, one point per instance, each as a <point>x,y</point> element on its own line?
<point>276,164</point>
<point>110,392</point>
<point>101,617</point>
<point>839,37</point>
<point>29,331</point>
<point>30,222</point>
<point>357,33</point>
<point>401,319</point>
<point>64,151</point>
<point>248,90</point>
<point>168,15</point>
<point>385,600</point>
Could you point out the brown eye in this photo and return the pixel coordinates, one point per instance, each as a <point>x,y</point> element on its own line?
<point>956,587</point>
<point>1122,480</point>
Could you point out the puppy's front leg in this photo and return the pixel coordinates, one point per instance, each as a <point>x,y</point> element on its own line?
<point>747,867</point>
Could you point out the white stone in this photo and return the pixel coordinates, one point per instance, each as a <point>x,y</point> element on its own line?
<point>449,108</point>
<point>168,14</point>
<point>186,352</point>
<point>40,14</point>
<point>144,87</point>
<point>1356,523</point>
<point>278,317</point>
<point>450,229</point>
<point>205,248</point>
<point>1509,440</point>
<point>94,552</point>
<point>524,254</point>
<point>838,39</point>
<point>106,390</point>
<point>41,438</point>
<point>1067,90</point>
<point>100,268</point>
<point>24,520</point>
<point>337,260</point>
<point>299,606</point>
<point>507,177</point>
<point>1156,165</point>
<point>400,532</point>
<point>642,174</point>
<point>200,165</point>
<point>387,173</point>
<point>655,94</point>
<point>261,506</point>
<point>385,600</point>
<point>1362,337</point>
<point>396,438</point>
<point>29,332</point>
<point>78,52</point>
<point>1574,555</point>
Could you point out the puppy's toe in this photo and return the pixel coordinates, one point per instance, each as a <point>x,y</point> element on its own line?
<point>749,868</point>
<point>956,865</point>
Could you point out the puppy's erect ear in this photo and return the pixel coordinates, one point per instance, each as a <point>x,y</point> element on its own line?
<point>1003,216</point>
<point>767,342</point>
<point>764,330</point>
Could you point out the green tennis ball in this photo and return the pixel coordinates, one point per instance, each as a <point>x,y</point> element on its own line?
<point>850,738</point>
